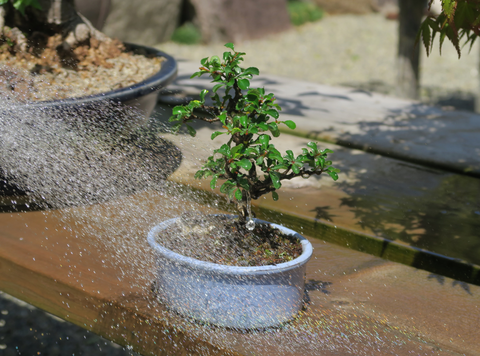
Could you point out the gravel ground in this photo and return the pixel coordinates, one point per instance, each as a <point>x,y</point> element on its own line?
<point>357,51</point>
<point>353,50</point>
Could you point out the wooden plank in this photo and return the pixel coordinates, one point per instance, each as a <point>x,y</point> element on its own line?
<point>91,266</point>
<point>49,259</point>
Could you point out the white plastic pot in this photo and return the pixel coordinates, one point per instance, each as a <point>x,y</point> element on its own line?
<point>229,296</point>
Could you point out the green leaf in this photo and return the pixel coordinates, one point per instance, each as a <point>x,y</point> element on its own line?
<point>252,71</point>
<point>191,130</point>
<point>259,160</point>
<point>275,177</point>
<point>244,84</point>
<point>320,161</point>
<point>262,126</point>
<point>202,95</point>
<point>204,61</point>
<point>238,194</point>
<point>245,163</point>
<point>193,105</point>
<point>273,153</point>
<point>291,125</point>
<point>274,129</point>
<point>228,187</point>
<point>176,127</point>
<point>179,110</point>
<point>235,149</point>
<point>196,74</point>
<point>313,146</point>
<point>275,196</point>
<point>230,45</point>
<point>21,5</point>
<point>216,133</point>
<point>244,121</point>
<point>213,182</point>
<point>273,113</point>
<point>251,97</point>
<point>332,169</point>
<point>223,118</point>
<point>448,7</point>
<point>216,87</point>
<point>290,155</point>
<point>224,150</point>
<point>279,166</point>
<point>333,175</point>
<point>426,36</point>
<point>253,129</point>
<point>231,190</point>
<point>264,140</point>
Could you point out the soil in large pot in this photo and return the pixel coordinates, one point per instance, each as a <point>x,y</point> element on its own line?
<point>44,72</point>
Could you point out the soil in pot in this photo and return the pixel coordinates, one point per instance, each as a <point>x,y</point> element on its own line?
<point>45,73</point>
<point>223,240</point>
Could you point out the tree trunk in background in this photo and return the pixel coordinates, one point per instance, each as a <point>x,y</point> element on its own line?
<point>239,20</point>
<point>408,60</point>
<point>96,11</point>
<point>146,22</point>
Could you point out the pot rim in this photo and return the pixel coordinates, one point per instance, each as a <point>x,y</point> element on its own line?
<point>160,79</point>
<point>193,263</point>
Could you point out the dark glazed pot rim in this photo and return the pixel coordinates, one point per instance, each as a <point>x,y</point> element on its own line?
<point>161,79</point>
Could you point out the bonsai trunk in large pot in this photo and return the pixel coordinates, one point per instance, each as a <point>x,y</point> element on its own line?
<point>230,296</point>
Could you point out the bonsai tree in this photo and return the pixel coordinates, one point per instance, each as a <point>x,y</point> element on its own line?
<point>248,164</point>
<point>21,18</point>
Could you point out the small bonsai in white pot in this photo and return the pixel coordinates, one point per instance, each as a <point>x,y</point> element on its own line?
<point>247,292</point>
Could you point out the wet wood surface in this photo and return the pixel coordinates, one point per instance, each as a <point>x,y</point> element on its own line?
<point>92,266</point>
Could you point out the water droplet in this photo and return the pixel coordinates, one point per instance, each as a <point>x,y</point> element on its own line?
<point>250,225</point>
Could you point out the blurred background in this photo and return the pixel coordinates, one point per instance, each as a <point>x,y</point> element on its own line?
<point>366,44</point>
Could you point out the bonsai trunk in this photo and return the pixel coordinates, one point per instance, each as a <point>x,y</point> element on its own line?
<point>54,16</point>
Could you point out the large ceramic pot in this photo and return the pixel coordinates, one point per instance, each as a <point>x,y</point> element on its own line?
<point>142,96</point>
<point>229,296</point>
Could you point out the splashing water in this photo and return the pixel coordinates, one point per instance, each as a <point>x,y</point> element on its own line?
<point>75,159</point>
<point>76,156</point>
<point>250,224</point>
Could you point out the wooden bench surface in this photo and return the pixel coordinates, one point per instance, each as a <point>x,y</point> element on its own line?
<point>92,266</point>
